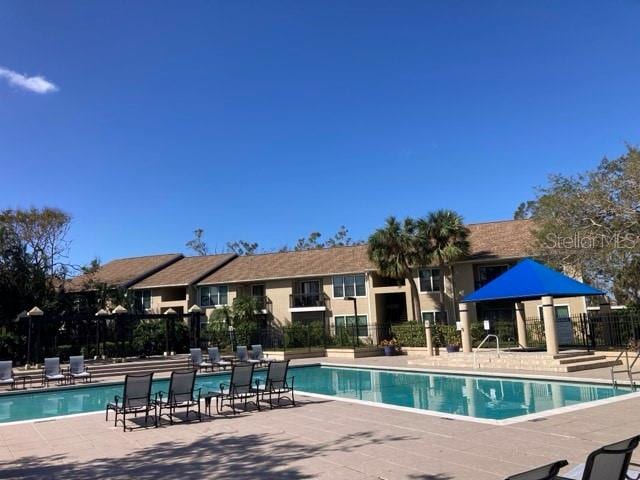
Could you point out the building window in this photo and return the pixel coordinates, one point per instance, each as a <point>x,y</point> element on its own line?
<point>434,317</point>
<point>212,296</point>
<point>143,299</point>
<point>343,322</point>
<point>349,286</point>
<point>486,273</point>
<point>257,290</point>
<point>429,279</point>
<point>562,312</point>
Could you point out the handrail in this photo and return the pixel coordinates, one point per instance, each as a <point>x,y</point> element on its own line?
<point>482,343</point>
<point>628,370</point>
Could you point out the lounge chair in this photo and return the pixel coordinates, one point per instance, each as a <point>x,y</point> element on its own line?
<point>546,472</point>
<point>257,356</point>
<point>607,463</point>
<point>196,360</point>
<point>51,372</point>
<point>6,374</point>
<point>136,399</point>
<point>276,383</point>
<point>242,355</point>
<point>239,388</point>
<point>78,370</point>
<point>216,360</point>
<point>181,394</point>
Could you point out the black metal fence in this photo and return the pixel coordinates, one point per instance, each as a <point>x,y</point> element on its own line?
<point>30,339</point>
<point>303,337</point>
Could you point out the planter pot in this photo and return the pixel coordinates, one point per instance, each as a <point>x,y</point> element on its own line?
<point>389,350</point>
<point>453,348</point>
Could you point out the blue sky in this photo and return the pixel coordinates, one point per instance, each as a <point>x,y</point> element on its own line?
<point>267,120</point>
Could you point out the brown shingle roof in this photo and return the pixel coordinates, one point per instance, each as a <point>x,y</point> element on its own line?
<point>505,239</point>
<point>185,271</point>
<point>123,272</point>
<point>318,262</point>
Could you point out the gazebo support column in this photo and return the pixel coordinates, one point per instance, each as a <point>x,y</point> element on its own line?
<point>550,332</point>
<point>521,325</point>
<point>466,328</point>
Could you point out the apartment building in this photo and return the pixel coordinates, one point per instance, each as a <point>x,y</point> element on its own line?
<point>174,287</point>
<point>333,284</point>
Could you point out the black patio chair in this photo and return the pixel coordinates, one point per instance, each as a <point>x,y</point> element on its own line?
<point>239,388</point>
<point>610,462</point>
<point>546,472</point>
<point>136,399</point>
<point>181,394</point>
<point>276,384</point>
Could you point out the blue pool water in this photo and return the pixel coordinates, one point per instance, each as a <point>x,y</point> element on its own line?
<point>481,397</point>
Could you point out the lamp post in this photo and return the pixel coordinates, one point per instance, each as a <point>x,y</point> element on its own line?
<point>355,319</point>
<point>169,312</point>
<point>34,312</point>
<point>231,336</point>
<point>119,310</point>
<point>195,312</point>
<point>100,313</point>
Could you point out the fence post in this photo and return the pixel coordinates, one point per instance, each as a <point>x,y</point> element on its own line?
<point>355,333</point>
<point>284,339</point>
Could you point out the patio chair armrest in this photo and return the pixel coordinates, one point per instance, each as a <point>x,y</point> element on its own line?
<point>159,395</point>
<point>116,400</point>
<point>257,383</point>
<point>223,385</point>
<point>198,395</point>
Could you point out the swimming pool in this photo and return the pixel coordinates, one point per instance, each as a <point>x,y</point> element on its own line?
<point>478,397</point>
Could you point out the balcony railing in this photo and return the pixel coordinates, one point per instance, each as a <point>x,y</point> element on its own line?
<point>298,300</point>
<point>262,301</point>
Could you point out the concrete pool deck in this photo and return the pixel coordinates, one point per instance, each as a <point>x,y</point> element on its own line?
<point>317,439</point>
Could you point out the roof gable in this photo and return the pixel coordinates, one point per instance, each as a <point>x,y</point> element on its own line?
<point>186,271</point>
<point>123,272</point>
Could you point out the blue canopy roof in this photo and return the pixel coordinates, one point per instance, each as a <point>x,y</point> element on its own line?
<point>530,279</point>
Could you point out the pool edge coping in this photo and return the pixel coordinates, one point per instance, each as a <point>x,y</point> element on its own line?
<point>408,369</point>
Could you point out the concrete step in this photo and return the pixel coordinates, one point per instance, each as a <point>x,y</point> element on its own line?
<point>576,367</point>
<point>571,353</point>
<point>586,358</point>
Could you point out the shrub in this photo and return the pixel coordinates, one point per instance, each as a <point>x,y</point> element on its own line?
<point>149,337</point>
<point>410,334</point>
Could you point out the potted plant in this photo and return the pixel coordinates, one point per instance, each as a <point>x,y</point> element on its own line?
<point>451,338</point>
<point>390,347</point>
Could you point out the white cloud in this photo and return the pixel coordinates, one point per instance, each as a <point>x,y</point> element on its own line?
<point>35,84</point>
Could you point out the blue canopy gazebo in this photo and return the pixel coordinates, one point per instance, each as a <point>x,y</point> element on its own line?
<point>527,280</point>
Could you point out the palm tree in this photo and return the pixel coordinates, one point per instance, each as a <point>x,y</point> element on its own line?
<point>395,249</point>
<point>447,236</point>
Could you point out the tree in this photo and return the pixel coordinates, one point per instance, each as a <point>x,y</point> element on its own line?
<point>591,222</point>
<point>43,233</point>
<point>309,243</point>
<point>242,247</point>
<point>525,210</point>
<point>396,249</point>
<point>197,243</point>
<point>447,236</point>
